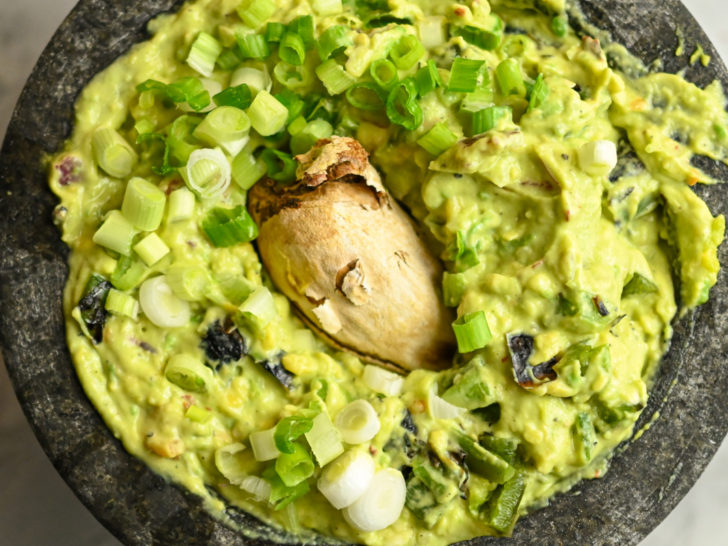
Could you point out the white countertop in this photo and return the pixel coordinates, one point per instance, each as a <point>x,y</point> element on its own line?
<point>36,506</point>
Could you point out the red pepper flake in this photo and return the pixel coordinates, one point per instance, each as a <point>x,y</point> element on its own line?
<point>187,400</point>
<point>460,11</point>
<point>567,215</point>
<point>692,181</point>
<point>173,184</point>
<point>536,264</point>
<point>372,450</point>
<point>69,169</point>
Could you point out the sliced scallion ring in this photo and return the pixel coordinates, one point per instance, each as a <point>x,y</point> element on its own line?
<point>161,306</point>
<point>188,373</point>
<point>382,381</point>
<point>358,422</point>
<point>381,504</point>
<point>207,173</point>
<point>229,464</point>
<point>343,481</point>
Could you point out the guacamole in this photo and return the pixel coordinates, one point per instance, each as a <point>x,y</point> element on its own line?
<point>390,271</point>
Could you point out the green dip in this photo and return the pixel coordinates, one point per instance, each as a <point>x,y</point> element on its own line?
<point>572,259</point>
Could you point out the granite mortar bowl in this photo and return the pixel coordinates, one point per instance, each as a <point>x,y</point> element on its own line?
<point>647,477</point>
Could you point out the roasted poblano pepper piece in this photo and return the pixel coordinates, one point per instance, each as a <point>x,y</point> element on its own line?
<point>505,448</point>
<point>504,503</point>
<point>91,307</point>
<point>483,462</point>
<point>584,437</point>
<point>442,488</point>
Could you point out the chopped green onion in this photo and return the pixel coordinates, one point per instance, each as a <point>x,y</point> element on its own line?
<point>487,118</point>
<point>335,78</point>
<point>538,93</point>
<point>325,8</point>
<point>427,78</point>
<point>253,46</point>
<point>638,284</point>
<point>293,103</point>
<point>453,288</point>
<point>179,135</point>
<point>293,468</point>
<point>292,77</point>
<point>438,139</point>
<point>432,31</point>
<point>181,205</point>
<point>402,106</point>
<point>274,32</point>
<point>472,332</point>
<point>188,373</point>
<point>161,306</point>
<point>365,96</point>
<point>234,287</point>
<point>256,12</point>
<point>406,52</point>
<point>464,75</point>
<point>322,108</point>
<point>263,444</point>
<point>280,166</point>
<point>119,303</point>
<point>207,173</point>
<point>324,439</point>
<point>128,273</point>
<point>188,282</point>
<point>226,126</point>
<point>442,409</point>
<point>288,430</point>
<point>189,90</point>
<point>280,494</point>
<point>113,153</point>
<point>231,464</point>
<point>358,422</point>
<point>247,170</point>
<point>314,131</point>
<point>381,504</point>
<point>382,381</point>
<point>481,98</point>
<point>304,27</point>
<point>469,391</point>
<point>257,487</point>
<point>292,50</point>
<point>227,227</point>
<point>384,73</point>
<point>116,233</point>
<point>484,39</point>
<point>144,126</point>
<point>334,40</point>
<point>257,79</point>
<point>346,479</point>
<point>296,126</point>
<point>260,305</point>
<point>267,115</point>
<point>198,414</point>
<point>509,78</point>
<point>143,204</point>
<point>560,25</point>
<point>239,96</point>
<point>151,249</point>
<point>204,53</point>
<point>228,59</point>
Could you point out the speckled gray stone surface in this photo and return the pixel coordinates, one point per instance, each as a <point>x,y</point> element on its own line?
<point>644,483</point>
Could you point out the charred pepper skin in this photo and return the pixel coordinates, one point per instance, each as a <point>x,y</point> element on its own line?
<point>349,258</point>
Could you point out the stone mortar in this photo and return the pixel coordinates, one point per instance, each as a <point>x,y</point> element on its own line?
<point>647,477</point>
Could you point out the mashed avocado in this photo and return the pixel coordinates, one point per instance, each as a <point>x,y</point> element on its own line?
<point>555,190</point>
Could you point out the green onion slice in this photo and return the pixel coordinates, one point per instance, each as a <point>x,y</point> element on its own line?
<point>113,153</point>
<point>204,53</point>
<point>464,75</point>
<point>304,27</point>
<point>384,73</point>
<point>256,12</point>
<point>487,118</point>
<point>253,46</point>
<point>335,78</point>
<point>365,96</point>
<point>225,126</point>
<point>288,430</point>
<point>267,115</point>
<point>427,78</point>
<point>509,78</point>
<point>406,52</point>
<point>472,332</point>
<point>207,173</point>
<point>227,227</point>
<point>333,40</point>
<point>484,39</point>
<point>274,32</point>
<point>292,50</point>
<point>438,139</point>
<point>239,96</point>
<point>402,106</point>
<point>280,166</point>
<point>116,233</point>
<point>293,468</point>
<point>188,373</point>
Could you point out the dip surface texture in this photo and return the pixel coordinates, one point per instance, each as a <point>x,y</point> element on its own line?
<point>555,191</point>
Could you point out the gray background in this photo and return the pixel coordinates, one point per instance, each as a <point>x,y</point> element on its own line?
<point>37,508</point>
